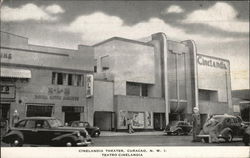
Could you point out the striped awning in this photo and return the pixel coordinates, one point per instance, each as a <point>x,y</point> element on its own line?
<point>15,73</point>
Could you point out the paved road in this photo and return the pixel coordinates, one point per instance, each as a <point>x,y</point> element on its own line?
<point>156,140</point>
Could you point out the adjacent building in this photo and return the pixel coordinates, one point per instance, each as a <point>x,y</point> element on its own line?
<point>45,81</point>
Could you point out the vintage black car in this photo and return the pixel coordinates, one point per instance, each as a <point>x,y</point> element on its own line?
<point>45,130</point>
<point>178,128</point>
<point>224,126</point>
<point>92,130</point>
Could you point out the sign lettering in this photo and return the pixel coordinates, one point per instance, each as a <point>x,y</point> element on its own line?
<point>204,61</point>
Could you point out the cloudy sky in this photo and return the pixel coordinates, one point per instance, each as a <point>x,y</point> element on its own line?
<point>219,28</point>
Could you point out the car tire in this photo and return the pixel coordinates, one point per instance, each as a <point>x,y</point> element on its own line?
<point>229,137</point>
<point>16,142</point>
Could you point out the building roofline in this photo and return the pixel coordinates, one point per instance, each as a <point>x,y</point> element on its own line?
<point>122,39</point>
<point>14,34</point>
<point>36,45</point>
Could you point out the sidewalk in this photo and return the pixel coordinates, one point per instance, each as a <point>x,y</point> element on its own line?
<point>110,133</point>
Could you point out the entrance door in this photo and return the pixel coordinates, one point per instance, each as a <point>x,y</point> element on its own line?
<point>72,116</point>
<point>4,117</point>
<point>159,121</point>
<point>104,120</point>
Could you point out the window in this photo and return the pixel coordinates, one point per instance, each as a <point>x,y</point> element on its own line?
<point>137,89</point>
<point>30,124</point>
<point>59,78</point>
<point>105,63</point>
<point>144,90</point>
<point>70,81</point>
<point>78,80</point>
<point>36,110</point>
<point>21,124</point>
<point>67,79</point>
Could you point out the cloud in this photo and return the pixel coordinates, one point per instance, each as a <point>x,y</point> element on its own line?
<point>54,9</point>
<point>28,12</point>
<point>221,15</point>
<point>174,9</point>
<point>98,26</point>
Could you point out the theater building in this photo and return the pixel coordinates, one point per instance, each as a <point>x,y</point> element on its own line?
<point>156,82</point>
<point>45,81</point>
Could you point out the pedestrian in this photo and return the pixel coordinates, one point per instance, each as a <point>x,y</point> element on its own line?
<point>130,128</point>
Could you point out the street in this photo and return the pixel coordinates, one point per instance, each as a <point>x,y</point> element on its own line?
<point>150,140</point>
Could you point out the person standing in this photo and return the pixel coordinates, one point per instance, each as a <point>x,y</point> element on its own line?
<point>130,128</point>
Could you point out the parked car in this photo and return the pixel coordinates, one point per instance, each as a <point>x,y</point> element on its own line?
<point>92,130</point>
<point>178,128</point>
<point>246,136</point>
<point>224,126</point>
<point>45,130</point>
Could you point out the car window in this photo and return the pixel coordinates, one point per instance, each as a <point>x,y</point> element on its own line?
<point>30,124</point>
<point>81,124</point>
<point>42,124</point>
<point>21,124</point>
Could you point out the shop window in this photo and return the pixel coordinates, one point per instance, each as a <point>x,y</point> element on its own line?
<point>208,95</point>
<point>37,110</point>
<point>54,77</point>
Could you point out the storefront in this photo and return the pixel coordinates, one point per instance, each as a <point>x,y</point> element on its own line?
<point>44,81</point>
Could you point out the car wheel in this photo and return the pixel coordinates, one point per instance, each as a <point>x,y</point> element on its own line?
<point>16,142</point>
<point>229,137</point>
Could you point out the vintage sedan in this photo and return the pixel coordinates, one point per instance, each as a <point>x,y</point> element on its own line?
<point>178,128</point>
<point>224,126</point>
<point>45,130</point>
<point>92,130</point>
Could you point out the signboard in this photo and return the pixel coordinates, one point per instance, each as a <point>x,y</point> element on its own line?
<point>89,85</point>
<point>7,91</point>
<point>211,62</point>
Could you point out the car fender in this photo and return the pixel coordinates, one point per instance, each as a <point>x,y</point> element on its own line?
<point>225,131</point>
<point>65,136</point>
<point>178,128</point>
<point>12,134</point>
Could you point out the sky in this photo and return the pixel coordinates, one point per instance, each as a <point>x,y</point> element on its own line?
<point>219,28</point>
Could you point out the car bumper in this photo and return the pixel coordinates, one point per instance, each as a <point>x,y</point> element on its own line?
<point>85,143</point>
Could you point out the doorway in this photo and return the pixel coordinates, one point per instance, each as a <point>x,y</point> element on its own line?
<point>104,120</point>
<point>159,121</point>
<point>4,117</point>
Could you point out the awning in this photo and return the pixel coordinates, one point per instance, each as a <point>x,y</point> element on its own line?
<point>15,73</point>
